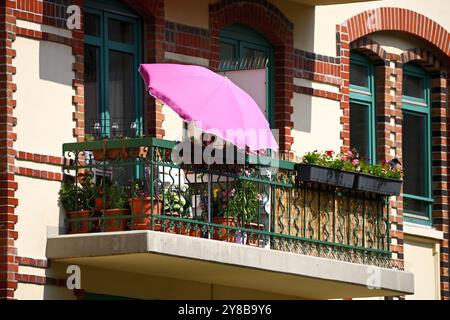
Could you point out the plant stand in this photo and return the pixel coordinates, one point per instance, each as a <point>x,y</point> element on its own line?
<point>386,187</point>
<point>319,174</point>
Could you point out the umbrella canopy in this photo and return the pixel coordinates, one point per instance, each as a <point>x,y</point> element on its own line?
<point>212,102</point>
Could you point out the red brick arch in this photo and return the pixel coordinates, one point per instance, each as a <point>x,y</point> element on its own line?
<point>278,30</point>
<point>370,48</point>
<point>399,19</point>
<point>423,57</point>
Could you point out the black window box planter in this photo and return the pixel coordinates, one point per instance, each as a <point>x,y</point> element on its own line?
<point>369,183</point>
<point>332,177</point>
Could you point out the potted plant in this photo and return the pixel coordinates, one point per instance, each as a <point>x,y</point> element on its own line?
<point>327,168</point>
<point>175,205</point>
<point>245,202</point>
<point>117,202</point>
<point>224,215</point>
<point>384,178</point>
<point>142,205</point>
<point>74,203</point>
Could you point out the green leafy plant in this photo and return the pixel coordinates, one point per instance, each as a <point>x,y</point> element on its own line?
<point>175,202</point>
<point>245,200</point>
<point>117,197</point>
<point>68,197</point>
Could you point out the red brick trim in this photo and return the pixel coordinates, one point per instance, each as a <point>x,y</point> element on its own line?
<point>39,174</point>
<point>46,36</point>
<point>318,68</point>
<point>39,158</point>
<point>317,93</point>
<point>276,27</point>
<point>40,280</point>
<point>8,202</point>
<point>31,262</point>
<point>187,40</point>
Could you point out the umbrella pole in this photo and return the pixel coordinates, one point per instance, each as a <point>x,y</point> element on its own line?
<point>209,200</point>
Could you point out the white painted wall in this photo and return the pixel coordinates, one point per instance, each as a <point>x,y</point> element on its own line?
<point>316,124</point>
<point>44,96</point>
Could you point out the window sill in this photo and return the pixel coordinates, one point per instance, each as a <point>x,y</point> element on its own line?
<point>423,232</point>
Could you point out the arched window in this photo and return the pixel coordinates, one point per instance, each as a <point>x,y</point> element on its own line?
<point>362,107</point>
<point>112,46</point>
<point>239,42</point>
<point>417,184</point>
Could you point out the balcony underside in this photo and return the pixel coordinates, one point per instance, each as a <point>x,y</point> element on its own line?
<point>217,262</point>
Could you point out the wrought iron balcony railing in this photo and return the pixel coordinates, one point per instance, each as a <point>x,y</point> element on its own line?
<point>136,184</point>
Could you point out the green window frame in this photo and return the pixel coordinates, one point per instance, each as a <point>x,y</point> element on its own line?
<point>364,97</point>
<point>420,107</point>
<point>242,38</point>
<point>104,11</point>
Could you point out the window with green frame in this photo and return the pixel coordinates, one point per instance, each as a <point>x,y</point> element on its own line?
<point>112,44</point>
<point>362,107</point>
<point>239,42</point>
<point>417,181</point>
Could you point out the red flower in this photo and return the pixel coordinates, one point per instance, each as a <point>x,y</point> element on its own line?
<point>329,153</point>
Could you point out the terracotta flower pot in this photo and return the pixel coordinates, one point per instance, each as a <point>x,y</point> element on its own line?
<point>225,221</point>
<point>188,229</point>
<point>79,226</point>
<point>99,203</point>
<point>252,238</point>
<point>120,224</point>
<point>137,152</point>
<point>140,207</point>
<point>170,225</point>
<point>114,154</point>
<point>98,155</point>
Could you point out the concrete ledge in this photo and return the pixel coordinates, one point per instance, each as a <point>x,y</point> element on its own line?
<point>423,232</point>
<point>80,248</point>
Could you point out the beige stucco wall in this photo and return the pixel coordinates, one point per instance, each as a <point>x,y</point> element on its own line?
<point>327,17</point>
<point>44,96</point>
<point>422,259</point>
<point>38,213</point>
<point>137,286</point>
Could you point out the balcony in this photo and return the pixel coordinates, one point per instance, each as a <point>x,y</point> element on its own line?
<point>251,216</point>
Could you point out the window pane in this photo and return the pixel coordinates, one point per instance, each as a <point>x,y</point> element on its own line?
<point>91,25</point>
<point>91,86</point>
<point>416,207</point>
<point>414,154</point>
<point>253,53</point>
<point>359,129</point>
<point>413,86</point>
<point>121,91</point>
<point>120,31</point>
<point>227,51</point>
<point>359,75</point>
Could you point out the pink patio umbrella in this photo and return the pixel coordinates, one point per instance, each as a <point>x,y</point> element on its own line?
<point>212,102</point>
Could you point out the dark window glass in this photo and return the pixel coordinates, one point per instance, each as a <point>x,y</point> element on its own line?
<point>413,86</point>
<point>414,154</point>
<point>120,31</point>
<point>416,207</point>
<point>91,86</point>
<point>359,75</point>
<point>91,25</point>
<point>121,90</point>
<point>227,51</point>
<point>359,129</point>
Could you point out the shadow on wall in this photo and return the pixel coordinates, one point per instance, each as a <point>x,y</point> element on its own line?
<point>56,63</point>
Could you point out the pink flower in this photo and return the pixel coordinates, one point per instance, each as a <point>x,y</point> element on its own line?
<point>343,158</point>
<point>350,154</point>
<point>329,153</point>
<point>355,162</point>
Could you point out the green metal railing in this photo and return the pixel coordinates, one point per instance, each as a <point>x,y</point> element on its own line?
<point>136,184</point>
